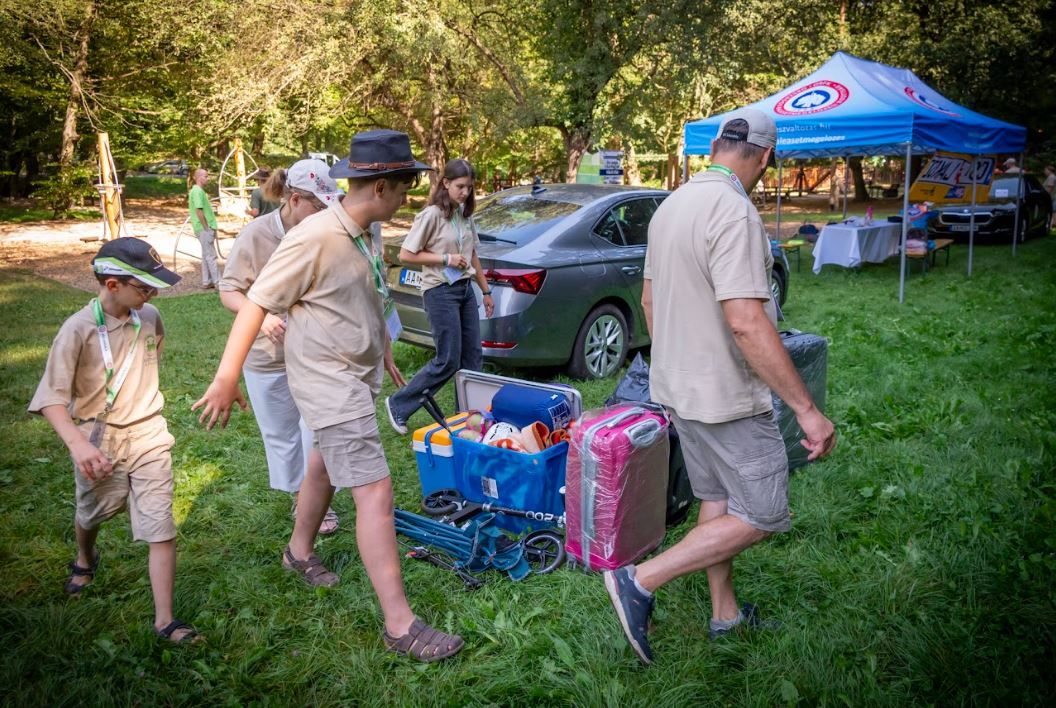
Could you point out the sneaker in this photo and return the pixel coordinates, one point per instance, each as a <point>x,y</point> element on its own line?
<point>633,608</point>
<point>399,427</point>
<point>749,619</point>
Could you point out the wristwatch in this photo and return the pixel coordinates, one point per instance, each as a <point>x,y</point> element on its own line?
<point>485,292</point>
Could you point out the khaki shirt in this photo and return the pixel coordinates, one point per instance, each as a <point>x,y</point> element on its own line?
<point>433,233</point>
<point>335,336</point>
<point>76,378</point>
<point>706,244</point>
<point>252,249</point>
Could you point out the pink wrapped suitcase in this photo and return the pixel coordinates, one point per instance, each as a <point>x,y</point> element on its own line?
<point>616,486</point>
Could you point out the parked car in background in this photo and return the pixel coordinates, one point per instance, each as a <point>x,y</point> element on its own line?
<point>564,263</point>
<point>995,219</point>
<point>168,167</point>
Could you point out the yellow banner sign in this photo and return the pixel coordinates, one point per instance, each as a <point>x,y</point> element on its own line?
<point>947,179</point>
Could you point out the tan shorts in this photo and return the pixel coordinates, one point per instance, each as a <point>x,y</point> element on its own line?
<point>352,452</point>
<point>742,462</point>
<point>142,481</point>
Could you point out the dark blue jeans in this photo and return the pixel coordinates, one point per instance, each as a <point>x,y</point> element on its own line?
<point>452,313</point>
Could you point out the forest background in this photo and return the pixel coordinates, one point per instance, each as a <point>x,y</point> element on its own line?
<point>520,88</point>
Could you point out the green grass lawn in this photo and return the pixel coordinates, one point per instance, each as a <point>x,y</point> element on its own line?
<point>22,214</point>
<point>919,570</point>
<point>156,186</point>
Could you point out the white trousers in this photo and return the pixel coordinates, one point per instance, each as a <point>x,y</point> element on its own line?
<point>287,440</point>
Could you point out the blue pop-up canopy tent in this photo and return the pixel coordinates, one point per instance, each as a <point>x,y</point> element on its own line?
<point>851,106</point>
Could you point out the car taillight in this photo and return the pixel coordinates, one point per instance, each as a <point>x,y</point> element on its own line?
<point>523,280</point>
<point>497,345</point>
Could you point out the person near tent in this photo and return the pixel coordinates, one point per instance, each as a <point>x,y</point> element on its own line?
<point>716,355</point>
<point>203,221</point>
<point>1050,187</point>
<point>328,275</point>
<point>443,241</point>
<point>303,190</point>
<point>1011,168</point>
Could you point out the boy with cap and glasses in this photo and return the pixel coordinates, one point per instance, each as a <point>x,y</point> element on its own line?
<point>716,355</point>
<point>100,394</point>
<point>327,274</point>
<point>303,190</point>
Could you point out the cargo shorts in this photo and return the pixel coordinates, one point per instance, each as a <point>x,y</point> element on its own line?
<point>141,481</point>
<point>352,452</point>
<point>742,462</point>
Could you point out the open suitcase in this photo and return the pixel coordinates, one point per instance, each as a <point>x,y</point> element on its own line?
<point>616,485</point>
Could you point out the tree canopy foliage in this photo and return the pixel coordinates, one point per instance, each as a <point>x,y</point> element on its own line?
<point>518,87</point>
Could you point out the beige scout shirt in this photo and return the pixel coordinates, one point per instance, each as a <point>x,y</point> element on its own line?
<point>706,244</point>
<point>335,332</point>
<point>76,378</point>
<point>432,232</point>
<point>252,249</point>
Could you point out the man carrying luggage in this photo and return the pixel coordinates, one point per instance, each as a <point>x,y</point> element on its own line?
<point>716,355</point>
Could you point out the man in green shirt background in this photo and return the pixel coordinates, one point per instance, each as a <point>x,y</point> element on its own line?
<point>203,221</point>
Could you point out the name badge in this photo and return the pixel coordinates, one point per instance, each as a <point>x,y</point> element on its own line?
<point>392,321</point>
<point>98,428</point>
<point>452,274</point>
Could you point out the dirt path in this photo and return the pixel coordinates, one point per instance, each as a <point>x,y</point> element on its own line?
<point>55,249</point>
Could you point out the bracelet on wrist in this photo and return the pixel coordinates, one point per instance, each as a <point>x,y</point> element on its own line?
<point>486,292</point>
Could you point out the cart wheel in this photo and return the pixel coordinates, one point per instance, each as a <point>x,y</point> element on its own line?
<point>545,551</point>
<point>441,502</point>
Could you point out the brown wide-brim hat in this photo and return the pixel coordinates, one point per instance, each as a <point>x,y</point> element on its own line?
<point>376,153</point>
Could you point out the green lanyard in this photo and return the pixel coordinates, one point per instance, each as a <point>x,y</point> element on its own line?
<point>108,355</point>
<point>723,169</point>
<point>375,264</point>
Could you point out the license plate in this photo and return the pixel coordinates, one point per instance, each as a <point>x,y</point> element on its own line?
<point>413,278</point>
<point>960,227</point>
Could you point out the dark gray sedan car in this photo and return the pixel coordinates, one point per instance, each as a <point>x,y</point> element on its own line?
<point>564,262</point>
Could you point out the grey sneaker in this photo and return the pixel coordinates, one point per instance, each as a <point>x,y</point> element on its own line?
<point>399,427</point>
<point>633,608</point>
<point>749,620</point>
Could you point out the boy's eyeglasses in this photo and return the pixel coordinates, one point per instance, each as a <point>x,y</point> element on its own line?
<point>144,290</point>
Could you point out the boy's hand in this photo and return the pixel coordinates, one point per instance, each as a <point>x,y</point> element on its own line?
<point>216,403</point>
<point>390,366</point>
<point>90,460</point>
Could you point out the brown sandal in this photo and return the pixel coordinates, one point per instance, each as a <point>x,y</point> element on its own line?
<point>423,643</point>
<point>311,569</point>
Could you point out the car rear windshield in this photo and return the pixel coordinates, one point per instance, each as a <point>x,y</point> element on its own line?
<point>1004,189</point>
<point>519,218</point>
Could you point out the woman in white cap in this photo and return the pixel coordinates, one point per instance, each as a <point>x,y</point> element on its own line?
<point>303,190</point>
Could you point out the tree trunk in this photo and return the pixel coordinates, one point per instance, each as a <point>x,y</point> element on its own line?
<point>633,173</point>
<point>861,194</point>
<point>77,76</point>
<point>577,140</point>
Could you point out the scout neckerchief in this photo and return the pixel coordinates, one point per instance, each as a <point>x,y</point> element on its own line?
<point>722,169</point>
<point>112,389</point>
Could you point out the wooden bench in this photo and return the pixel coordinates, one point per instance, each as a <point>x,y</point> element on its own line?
<point>928,257</point>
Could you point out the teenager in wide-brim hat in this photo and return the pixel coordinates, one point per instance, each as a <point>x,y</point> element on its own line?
<point>328,275</point>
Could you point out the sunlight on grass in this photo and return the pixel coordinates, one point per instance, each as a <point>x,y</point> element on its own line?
<point>13,355</point>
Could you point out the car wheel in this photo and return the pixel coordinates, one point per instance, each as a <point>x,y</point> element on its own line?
<point>601,345</point>
<point>778,286</point>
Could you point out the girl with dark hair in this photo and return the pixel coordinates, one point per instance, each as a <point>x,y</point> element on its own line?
<point>443,241</point>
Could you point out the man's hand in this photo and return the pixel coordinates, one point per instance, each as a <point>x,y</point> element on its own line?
<point>391,368</point>
<point>489,306</point>
<point>819,431</point>
<point>216,403</point>
<point>274,328</point>
<point>90,460</point>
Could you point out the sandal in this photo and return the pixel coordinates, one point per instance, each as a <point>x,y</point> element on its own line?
<point>423,643</point>
<point>167,631</point>
<point>311,569</point>
<point>330,523</point>
<point>77,571</point>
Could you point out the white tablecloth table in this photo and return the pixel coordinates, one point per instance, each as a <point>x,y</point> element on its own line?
<point>848,245</point>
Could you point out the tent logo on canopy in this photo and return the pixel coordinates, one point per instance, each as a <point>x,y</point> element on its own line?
<point>819,96</point>
<point>926,102</point>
